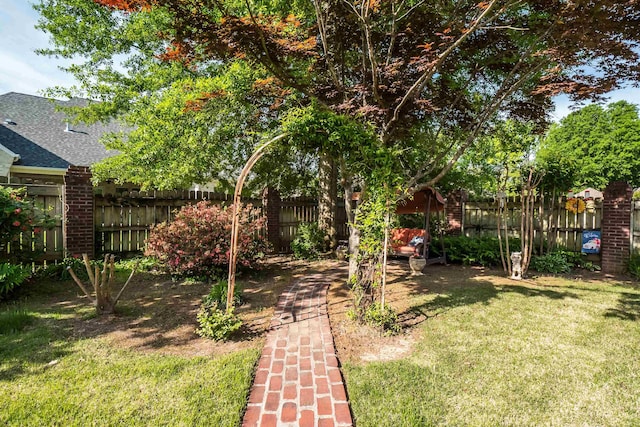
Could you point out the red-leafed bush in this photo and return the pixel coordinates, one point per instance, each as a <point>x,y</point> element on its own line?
<point>197,242</point>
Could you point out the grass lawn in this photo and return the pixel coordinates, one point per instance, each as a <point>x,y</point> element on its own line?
<point>46,380</point>
<point>488,351</point>
<point>60,364</point>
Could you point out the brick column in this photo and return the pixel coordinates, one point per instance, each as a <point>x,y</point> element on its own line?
<point>454,208</point>
<point>616,227</point>
<point>271,205</point>
<point>78,224</point>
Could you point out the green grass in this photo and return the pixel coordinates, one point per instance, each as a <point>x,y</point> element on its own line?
<point>50,377</point>
<point>14,320</point>
<point>522,355</point>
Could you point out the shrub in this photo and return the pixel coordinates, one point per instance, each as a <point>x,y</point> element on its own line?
<point>197,241</point>
<point>14,320</point>
<point>143,263</point>
<point>561,261</point>
<point>12,276</point>
<point>553,262</point>
<point>480,250</point>
<point>634,265</point>
<point>218,295</point>
<point>59,270</point>
<point>18,215</point>
<point>216,323</point>
<point>386,318</point>
<point>309,242</point>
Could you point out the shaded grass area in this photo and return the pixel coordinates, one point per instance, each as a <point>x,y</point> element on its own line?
<point>51,373</point>
<point>492,352</point>
<point>47,380</point>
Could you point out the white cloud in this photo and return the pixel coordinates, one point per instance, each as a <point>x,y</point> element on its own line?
<point>21,70</point>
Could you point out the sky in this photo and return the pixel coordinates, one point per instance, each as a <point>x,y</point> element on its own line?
<point>21,70</point>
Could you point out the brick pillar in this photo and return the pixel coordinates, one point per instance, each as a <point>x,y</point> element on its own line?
<point>616,227</point>
<point>454,208</point>
<point>271,205</point>
<point>78,216</point>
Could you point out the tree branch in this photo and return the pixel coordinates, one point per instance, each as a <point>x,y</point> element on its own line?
<point>419,83</point>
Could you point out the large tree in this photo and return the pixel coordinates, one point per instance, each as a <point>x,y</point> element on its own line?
<point>596,145</point>
<point>395,91</point>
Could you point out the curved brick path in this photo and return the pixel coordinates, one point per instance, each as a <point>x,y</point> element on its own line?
<point>298,382</point>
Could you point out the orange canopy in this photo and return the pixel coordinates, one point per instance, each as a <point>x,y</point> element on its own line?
<point>426,198</point>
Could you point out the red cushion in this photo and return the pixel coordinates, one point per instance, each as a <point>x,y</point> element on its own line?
<point>402,236</point>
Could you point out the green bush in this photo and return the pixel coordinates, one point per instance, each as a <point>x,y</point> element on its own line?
<point>59,270</point>
<point>553,262</point>
<point>19,216</point>
<point>309,241</point>
<point>216,323</point>
<point>12,276</point>
<point>480,250</point>
<point>634,265</point>
<point>217,296</point>
<point>560,261</point>
<point>386,318</point>
<point>14,320</point>
<point>144,263</point>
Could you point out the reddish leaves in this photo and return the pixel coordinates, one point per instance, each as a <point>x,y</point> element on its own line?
<point>126,5</point>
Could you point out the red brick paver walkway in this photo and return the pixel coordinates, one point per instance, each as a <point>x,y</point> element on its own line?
<point>298,382</point>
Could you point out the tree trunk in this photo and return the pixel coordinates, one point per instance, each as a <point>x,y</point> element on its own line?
<point>499,228</point>
<point>354,232</point>
<point>541,216</point>
<point>327,200</point>
<point>552,222</point>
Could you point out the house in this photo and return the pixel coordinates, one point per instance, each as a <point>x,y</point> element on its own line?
<point>38,143</point>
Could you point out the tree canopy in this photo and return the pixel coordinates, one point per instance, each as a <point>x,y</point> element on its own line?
<point>426,79</point>
<point>596,145</point>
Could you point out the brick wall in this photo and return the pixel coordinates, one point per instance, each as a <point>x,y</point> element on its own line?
<point>616,227</point>
<point>271,205</point>
<point>78,227</point>
<point>454,209</point>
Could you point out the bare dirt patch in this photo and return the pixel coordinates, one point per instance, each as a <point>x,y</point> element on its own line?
<point>157,314</point>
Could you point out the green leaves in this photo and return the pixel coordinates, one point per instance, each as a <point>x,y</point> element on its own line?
<point>596,145</point>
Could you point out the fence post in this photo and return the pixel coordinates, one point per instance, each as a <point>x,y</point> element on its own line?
<point>271,205</point>
<point>616,226</point>
<point>78,222</point>
<point>454,209</point>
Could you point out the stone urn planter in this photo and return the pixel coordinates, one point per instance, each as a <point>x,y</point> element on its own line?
<point>417,264</point>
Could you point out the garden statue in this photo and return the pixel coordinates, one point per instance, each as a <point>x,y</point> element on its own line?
<point>516,265</point>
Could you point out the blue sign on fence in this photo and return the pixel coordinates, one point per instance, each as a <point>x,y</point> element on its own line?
<point>591,242</point>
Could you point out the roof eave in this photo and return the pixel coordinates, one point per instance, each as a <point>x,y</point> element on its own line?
<point>39,170</point>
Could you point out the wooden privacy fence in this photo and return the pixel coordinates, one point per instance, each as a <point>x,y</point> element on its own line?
<point>300,210</point>
<point>560,226</point>
<point>47,245</point>
<point>122,222</point>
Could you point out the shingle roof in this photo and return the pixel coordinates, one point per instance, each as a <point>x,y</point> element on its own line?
<point>36,132</point>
